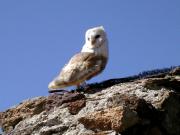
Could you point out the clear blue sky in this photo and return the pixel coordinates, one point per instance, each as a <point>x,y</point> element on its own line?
<point>37,37</point>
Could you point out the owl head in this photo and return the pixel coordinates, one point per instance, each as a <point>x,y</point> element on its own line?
<point>95,36</point>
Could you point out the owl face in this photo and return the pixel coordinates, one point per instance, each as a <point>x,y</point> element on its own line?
<point>95,36</point>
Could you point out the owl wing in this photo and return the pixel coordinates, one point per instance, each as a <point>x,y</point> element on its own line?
<point>82,66</point>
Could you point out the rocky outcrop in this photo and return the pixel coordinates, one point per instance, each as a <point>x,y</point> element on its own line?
<point>148,105</point>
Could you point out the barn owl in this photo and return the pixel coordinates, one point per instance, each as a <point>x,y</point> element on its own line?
<point>84,65</point>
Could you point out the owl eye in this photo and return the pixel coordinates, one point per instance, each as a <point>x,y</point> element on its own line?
<point>88,39</point>
<point>97,36</point>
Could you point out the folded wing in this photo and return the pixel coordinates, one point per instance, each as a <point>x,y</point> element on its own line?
<point>82,66</point>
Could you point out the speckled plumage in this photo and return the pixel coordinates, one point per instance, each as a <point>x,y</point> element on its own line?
<point>88,63</point>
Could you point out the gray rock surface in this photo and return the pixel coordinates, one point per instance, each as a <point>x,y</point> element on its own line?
<point>147,106</point>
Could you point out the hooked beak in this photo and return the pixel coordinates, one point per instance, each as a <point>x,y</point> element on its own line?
<point>93,41</point>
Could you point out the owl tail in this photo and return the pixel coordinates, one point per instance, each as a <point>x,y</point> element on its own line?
<point>56,84</point>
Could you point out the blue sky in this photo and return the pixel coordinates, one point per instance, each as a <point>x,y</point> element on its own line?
<point>37,37</point>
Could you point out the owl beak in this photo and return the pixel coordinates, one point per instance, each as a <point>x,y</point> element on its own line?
<point>93,41</point>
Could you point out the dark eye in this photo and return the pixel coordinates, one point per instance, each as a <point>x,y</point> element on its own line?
<point>88,39</point>
<point>97,36</point>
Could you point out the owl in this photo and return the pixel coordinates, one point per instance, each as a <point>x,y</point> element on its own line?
<point>90,62</point>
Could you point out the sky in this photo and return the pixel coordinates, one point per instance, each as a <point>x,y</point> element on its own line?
<point>37,37</point>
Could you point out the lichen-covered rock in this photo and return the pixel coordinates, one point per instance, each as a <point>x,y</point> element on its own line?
<point>76,106</point>
<point>102,133</point>
<point>36,110</point>
<point>123,112</point>
<point>28,108</point>
<point>56,100</point>
<point>117,119</point>
<point>170,109</point>
<point>139,106</point>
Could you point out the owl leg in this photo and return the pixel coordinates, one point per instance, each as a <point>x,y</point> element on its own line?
<point>83,84</point>
<point>78,86</point>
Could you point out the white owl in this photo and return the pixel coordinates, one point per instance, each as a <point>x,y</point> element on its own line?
<point>88,63</point>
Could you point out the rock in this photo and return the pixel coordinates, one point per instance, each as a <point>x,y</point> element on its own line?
<point>32,107</point>
<point>157,83</point>
<point>129,106</point>
<point>123,112</point>
<point>171,113</point>
<point>175,71</point>
<point>56,100</point>
<point>76,106</point>
<point>117,119</point>
<point>28,108</point>
<point>103,133</point>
